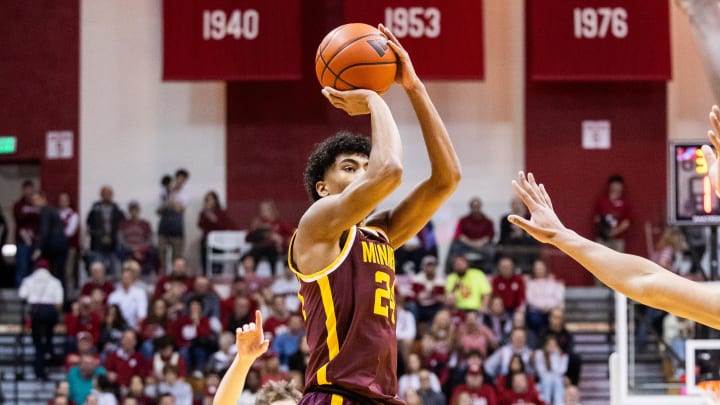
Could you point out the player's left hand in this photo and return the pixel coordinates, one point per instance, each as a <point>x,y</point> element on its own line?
<point>353,102</point>
<point>543,224</point>
<point>711,158</point>
<point>250,340</point>
<point>406,75</point>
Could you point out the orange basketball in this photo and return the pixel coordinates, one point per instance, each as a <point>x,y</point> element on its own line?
<point>356,56</point>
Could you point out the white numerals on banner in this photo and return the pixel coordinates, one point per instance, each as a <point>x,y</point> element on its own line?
<point>600,22</point>
<point>413,22</point>
<point>239,24</point>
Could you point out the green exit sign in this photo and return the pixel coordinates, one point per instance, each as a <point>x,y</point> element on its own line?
<point>8,144</point>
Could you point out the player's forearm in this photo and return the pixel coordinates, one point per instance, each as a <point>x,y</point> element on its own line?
<point>232,383</point>
<point>444,162</point>
<point>386,157</point>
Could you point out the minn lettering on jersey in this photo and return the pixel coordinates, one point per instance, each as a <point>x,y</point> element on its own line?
<point>383,255</point>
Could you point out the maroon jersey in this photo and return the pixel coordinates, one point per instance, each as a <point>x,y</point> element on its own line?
<point>349,309</point>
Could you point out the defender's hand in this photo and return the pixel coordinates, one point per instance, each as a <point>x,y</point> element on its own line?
<point>250,340</point>
<point>711,157</point>
<point>353,102</point>
<point>543,224</point>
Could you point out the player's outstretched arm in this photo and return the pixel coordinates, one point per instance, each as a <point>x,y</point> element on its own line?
<point>711,158</point>
<point>634,276</point>
<point>251,344</point>
<point>415,210</point>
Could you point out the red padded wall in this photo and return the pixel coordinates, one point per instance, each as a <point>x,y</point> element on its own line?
<point>39,85</point>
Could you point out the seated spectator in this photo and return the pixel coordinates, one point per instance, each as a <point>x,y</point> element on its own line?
<point>178,272</point>
<point>276,323</point>
<point>239,316</point>
<point>81,319</point>
<point>509,286</point>
<point>85,345</point>
<point>412,397</point>
<point>271,370</point>
<point>411,378</point>
<point>504,383</point>
<point>408,257</point>
<point>543,294</point>
<point>499,362</point>
<point>299,361</point>
<point>166,354</point>
<point>202,290</point>
<point>572,395</point>
<point>519,322</point>
<point>255,282</point>
<point>457,373</point>
<point>212,218</point>
<point>81,377</point>
<point>467,289</point>
<point>175,299</point>
<point>551,365</point>
<point>131,299</point>
<point>498,320</point>
<point>676,331</point>
<point>566,341</point>
<point>428,395</point>
<point>210,387</point>
<point>111,330</point>
<point>195,338</point>
<point>427,295</point>
<point>136,391</point>
<point>405,330</point>
<point>520,392</point>
<point>472,334</point>
<point>180,390</point>
<point>221,359</point>
<point>97,280</point>
<point>514,241</point>
<point>125,362</point>
<point>153,327</point>
<point>269,235</point>
<point>287,285</point>
<point>435,357</point>
<point>135,238</point>
<point>476,387</point>
<point>287,343</point>
<point>238,288</point>
<point>105,392</point>
<point>474,235</point>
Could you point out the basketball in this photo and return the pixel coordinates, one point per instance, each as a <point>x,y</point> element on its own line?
<point>356,56</point>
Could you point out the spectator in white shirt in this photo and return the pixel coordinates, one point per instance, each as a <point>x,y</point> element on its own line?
<point>131,299</point>
<point>287,286</point>
<point>405,328</point>
<point>44,293</point>
<point>544,293</point>
<point>179,389</point>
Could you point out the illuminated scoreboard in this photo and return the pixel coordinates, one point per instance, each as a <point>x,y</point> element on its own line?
<point>692,199</point>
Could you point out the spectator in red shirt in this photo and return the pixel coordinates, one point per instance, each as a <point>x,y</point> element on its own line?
<point>85,345</point>
<point>474,237</point>
<point>194,337</point>
<point>521,393</point>
<point>509,286</point>
<point>613,214</point>
<point>239,316</point>
<point>81,319</point>
<point>269,234</point>
<point>125,362</point>
<point>135,240</point>
<point>427,294</point>
<point>98,280</point>
<point>153,327</point>
<point>212,218</point>
<point>239,288</point>
<point>476,387</point>
<point>166,354</point>
<point>276,323</point>
<point>179,272</point>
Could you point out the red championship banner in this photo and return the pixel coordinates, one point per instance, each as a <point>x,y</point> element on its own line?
<point>598,40</point>
<point>444,38</point>
<point>231,39</point>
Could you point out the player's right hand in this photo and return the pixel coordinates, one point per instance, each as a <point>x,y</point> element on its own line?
<point>406,75</point>
<point>353,102</point>
<point>250,340</point>
<point>711,157</point>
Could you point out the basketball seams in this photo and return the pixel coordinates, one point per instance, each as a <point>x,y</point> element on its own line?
<point>343,47</point>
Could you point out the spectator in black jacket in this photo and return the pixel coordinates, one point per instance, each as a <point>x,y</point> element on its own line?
<point>52,244</point>
<point>103,222</point>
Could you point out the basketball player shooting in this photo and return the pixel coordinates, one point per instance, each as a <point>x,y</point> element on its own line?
<point>344,260</point>
<point>634,276</point>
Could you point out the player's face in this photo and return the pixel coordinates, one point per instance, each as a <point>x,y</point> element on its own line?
<point>346,169</point>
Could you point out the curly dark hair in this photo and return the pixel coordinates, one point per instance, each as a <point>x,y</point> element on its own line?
<point>325,154</point>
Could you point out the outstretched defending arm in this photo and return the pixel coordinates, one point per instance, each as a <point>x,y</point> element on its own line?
<point>251,344</point>
<point>638,278</point>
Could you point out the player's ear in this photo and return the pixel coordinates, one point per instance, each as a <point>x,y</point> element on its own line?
<point>321,188</point>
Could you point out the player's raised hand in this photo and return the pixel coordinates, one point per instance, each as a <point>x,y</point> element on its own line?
<point>405,75</point>
<point>250,340</point>
<point>711,157</point>
<point>353,102</point>
<point>543,224</point>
